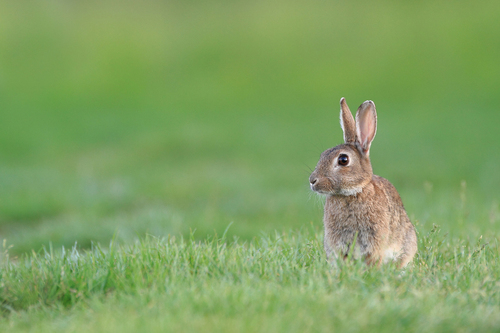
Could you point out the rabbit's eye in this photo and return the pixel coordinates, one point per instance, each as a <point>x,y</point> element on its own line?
<point>343,159</point>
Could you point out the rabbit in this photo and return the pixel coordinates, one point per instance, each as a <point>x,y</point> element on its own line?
<point>361,207</point>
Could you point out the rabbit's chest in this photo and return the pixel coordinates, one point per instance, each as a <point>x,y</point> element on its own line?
<point>348,223</point>
<point>342,238</point>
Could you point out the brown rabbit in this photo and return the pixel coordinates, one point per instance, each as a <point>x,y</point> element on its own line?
<point>358,203</point>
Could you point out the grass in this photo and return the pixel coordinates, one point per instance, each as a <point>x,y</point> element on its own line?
<point>158,125</point>
<point>273,283</point>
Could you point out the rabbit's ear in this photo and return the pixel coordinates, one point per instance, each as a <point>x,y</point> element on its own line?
<point>366,125</point>
<point>347,122</point>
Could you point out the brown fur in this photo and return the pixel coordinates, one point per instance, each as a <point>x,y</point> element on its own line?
<point>358,203</point>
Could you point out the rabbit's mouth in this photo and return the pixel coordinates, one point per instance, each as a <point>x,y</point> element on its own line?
<point>326,186</point>
<point>320,191</point>
<point>321,186</point>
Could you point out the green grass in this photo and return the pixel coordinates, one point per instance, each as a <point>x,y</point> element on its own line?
<point>278,283</point>
<point>120,120</point>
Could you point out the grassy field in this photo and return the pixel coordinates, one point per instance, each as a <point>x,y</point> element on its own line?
<point>278,283</point>
<point>158,125</point>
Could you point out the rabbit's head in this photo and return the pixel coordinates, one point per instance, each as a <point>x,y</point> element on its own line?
<point>346,169</point>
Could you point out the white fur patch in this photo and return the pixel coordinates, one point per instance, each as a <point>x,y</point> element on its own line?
<point>352,191</point>
<point>390,254</point>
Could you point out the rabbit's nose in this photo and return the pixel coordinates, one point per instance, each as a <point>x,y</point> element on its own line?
<point>313,180</point>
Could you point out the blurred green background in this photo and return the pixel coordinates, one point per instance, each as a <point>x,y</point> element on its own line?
<point>158,117</point>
